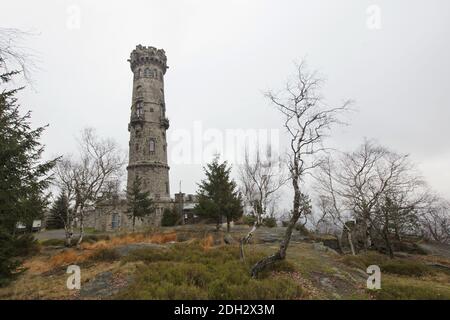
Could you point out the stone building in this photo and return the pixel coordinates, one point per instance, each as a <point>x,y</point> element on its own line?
<point>184,204</point>
<point>147,145</point>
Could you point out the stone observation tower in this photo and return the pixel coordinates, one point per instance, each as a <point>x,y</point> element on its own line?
<point>148,124</point>
<point>148,148</point>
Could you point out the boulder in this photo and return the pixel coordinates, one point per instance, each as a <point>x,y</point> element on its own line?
<point>318,246</point>
<point>126,249</point>
<point>228,239</point>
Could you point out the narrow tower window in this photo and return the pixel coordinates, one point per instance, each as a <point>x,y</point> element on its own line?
<point>139,109</point>
<point>152,145</point>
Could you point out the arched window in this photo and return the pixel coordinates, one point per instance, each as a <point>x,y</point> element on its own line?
<point>152,145</point>
<point>140,109</point>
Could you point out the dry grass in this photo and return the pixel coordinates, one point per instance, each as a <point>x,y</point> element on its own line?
<point>88,250</point>
<point>158,238</point>
<point>191,270</point>
<point>207,242</point>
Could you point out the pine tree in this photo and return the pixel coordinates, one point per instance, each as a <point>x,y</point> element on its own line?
<point>24,178</point>
<point>218,195</point>
<point>170,217</point>
<point>140,204</point>
<point>58,212</point>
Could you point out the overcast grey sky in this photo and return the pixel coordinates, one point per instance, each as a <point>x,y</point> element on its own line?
<point>224,54</point>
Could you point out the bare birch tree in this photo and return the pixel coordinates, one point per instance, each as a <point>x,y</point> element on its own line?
<point>435,220</point>
<point>307,120</point>
<point>261,178</point>
<point>88,180</point>
<point>379,187</point>
<point>65,173</point>
<point>331,202</point>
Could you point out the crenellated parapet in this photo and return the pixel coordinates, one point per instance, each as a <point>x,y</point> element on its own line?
<point>143,55</point>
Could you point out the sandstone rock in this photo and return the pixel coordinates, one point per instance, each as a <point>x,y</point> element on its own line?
<point>126,249</point>
<point>318,246</point>
<point>228,239</point>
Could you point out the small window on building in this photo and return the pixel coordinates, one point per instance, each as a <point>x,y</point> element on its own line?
<point>151,110</point>
<point>167,187</point>
<point>148,73</point>
<point>140,109</point>
<point>115,222</point>
<point>152,145</point>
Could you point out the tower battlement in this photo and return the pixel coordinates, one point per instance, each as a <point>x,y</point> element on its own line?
<point>144,55</point>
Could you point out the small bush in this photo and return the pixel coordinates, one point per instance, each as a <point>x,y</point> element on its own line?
<point>92,238</point>
<point>364,260</point>
<point>270,222</point>
<point>302,229</point>
<point>248,220</point>
<point>412,289</point>
<point>406,268</point>
<point>106,254</point>
<point>393,266</point>
<point>170,218</point>
<point>148,255</point>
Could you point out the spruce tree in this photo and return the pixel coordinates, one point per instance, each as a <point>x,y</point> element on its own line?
<point>140,204</point>
<point>24,178</point>
<point>218,195</point>
<point>58,212</point>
